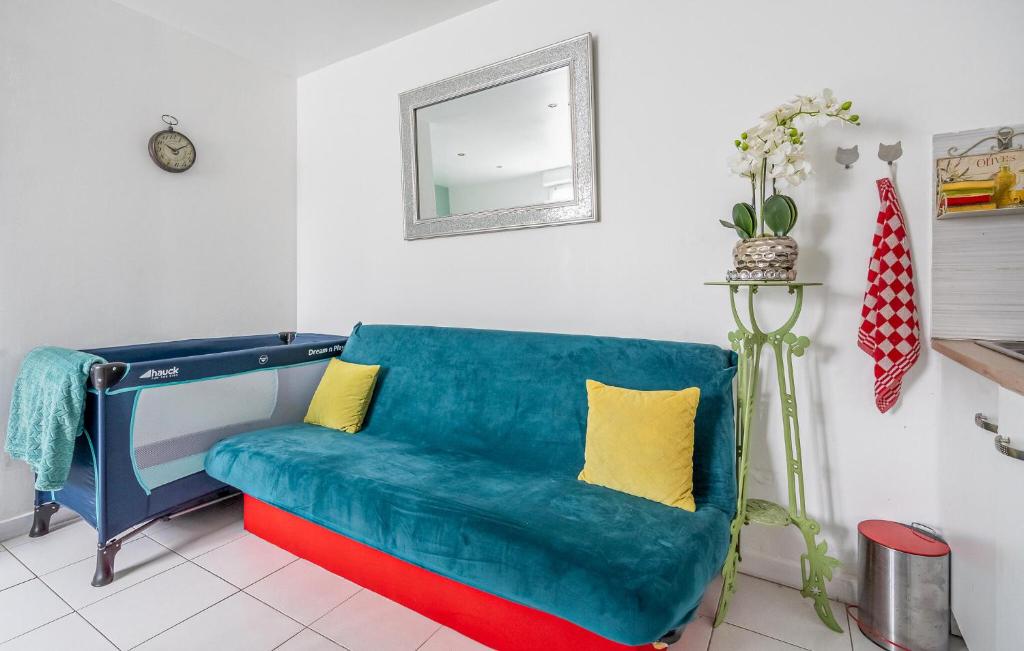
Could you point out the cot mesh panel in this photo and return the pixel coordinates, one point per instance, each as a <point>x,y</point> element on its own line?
<point>175,425</point>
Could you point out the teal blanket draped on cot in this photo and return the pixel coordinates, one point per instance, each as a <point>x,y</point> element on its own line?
<point>47,412</point>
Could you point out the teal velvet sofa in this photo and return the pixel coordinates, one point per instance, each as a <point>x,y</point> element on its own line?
<point>466,466</point>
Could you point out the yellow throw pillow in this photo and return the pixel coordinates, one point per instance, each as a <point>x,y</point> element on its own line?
<point>641,442</point>
<point>343,396</point>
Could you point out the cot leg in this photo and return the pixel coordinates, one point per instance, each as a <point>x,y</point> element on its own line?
<point>105,563</point>
<point>41,519</point>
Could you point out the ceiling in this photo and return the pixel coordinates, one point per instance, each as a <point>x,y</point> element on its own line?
<point>303,35</point>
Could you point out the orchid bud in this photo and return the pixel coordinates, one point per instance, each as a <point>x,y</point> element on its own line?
<point>744,146</point>
<point>736,142</point>
<point>846,105</point>
<point>743,135</point>
<point>854,118</point>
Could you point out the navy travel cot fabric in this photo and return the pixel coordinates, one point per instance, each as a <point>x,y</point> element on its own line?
<point>104,485</point>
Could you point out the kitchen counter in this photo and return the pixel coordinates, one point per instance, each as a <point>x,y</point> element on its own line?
<point>1006,371</point>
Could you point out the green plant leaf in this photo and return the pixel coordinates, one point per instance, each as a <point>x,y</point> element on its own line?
<point>778,214</point>
<point>743,218</point>
<point>792,204</point>
<point>726,224</point>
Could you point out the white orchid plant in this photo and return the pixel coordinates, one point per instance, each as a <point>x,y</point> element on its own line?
<point>773,150</point>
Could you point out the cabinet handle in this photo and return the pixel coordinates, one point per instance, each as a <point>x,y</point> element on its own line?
<point>1002,443</point>
<point>1003,446</point>
<point>984,423</point>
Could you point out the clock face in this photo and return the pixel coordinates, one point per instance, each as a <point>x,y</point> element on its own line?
<point>172,151</point>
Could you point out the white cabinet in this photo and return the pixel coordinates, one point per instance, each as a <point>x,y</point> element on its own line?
<point>982,519</point>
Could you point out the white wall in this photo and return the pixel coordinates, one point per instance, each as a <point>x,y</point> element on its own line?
<point>676,83</point>
<point>99,246</point>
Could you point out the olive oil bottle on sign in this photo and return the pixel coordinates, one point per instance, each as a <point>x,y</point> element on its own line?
<point>1005,180</point>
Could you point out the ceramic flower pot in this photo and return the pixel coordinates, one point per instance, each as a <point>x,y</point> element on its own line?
<point>764,258</point>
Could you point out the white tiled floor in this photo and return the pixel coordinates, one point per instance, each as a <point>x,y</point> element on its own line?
<point>202,582</point>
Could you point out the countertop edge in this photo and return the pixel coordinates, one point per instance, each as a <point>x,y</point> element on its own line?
<point>1006,371</point>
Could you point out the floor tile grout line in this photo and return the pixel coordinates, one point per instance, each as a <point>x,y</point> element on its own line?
<point>36,628</point>
<point>27,568</point>
<point>127,587</point>
<point>199,612</point>
<point>337,644</point>
<point>48,622</point>
<point>15,585</point>
<point>439,627</point>
<point>22,563</point>
<point>249,585</point>
<point>844,613</point>
<point>770,637</point>
<point>234,594</point>
<point>291,562</point>
<point>223,544</point>
<point>298,633</point>
<point>94,627</point>
<point>272,607</point>
<point>343,602</point>
<point>170,549</point>
<point>23,634</point>
<point>56,569</point>
<point>62,525</point>
<point>303,630</point>
<point>74,611</point>
<point>67,565</point>
<point>789,587</point>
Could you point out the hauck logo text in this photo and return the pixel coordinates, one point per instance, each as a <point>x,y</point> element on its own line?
<point>160,373</point>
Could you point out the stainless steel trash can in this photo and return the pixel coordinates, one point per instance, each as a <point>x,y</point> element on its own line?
<point>904,587</point>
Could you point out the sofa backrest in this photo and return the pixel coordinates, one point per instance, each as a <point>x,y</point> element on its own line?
<point>520,397</point>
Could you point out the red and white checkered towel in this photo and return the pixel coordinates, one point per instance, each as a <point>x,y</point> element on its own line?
<point>889,329</point>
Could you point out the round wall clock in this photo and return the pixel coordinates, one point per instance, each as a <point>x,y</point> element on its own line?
<point>171,150</point>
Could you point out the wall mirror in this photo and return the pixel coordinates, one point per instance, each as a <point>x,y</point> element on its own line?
<point>510,145</point>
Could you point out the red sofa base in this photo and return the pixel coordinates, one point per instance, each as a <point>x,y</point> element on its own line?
<point>490,620</point>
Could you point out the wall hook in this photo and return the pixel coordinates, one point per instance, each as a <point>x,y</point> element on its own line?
<point>889,153</point>
<point>847,157</point>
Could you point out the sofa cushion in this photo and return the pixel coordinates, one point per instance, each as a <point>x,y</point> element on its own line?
<point>343,396</point>
<point>520,398</point>
<point>626,568</point>
<point>641,442</point>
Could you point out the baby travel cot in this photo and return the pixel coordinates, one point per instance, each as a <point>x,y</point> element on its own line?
<point>153,410</point>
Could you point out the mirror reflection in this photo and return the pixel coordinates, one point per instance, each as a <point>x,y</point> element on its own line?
<point>507,146</point>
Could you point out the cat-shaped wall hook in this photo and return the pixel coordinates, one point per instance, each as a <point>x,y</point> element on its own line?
<point>847,157</point>
<point>889,153</point>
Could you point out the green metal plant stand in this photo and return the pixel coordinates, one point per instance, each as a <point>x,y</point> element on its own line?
<point>816,566</point>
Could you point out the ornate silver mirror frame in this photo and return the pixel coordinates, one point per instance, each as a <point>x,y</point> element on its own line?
<point>574,53</point>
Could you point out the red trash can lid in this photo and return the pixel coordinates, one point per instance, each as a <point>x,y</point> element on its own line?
<point>898,536</point>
